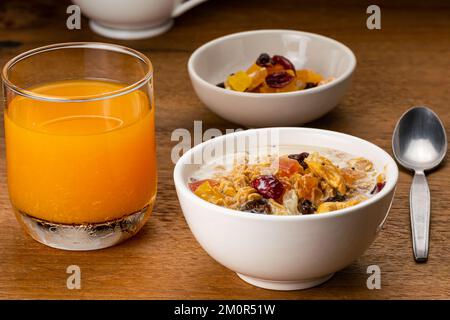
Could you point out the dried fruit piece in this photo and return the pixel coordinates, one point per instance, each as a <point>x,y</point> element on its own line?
<point>266,89</point>
<point>240,81</point>
<point>257,206</point>
<point>272,75</point>
<point>194,185</point>
<point>257,74</point>
<point>256,90</point>
<point>279,79</point>
<point>306,207</point>
<point>291,86</point>
<point>287,166</point>
<point>381,182</point>
<point>264,60</point>
<point>308,76</point>
<point>207,192</point>
<point>300,157</point>
<point>378,187</point>
<point>253,68</point>
<point>275,68</point>
<point>284,62</point>
<point>268,186</point>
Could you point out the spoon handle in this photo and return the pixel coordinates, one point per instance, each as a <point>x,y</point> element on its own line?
<point>419,202</point>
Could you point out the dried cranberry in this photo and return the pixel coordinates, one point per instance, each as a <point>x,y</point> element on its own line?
<point>264,60</point>
<point>285,62</point>
<point>279,79</point>
<point>337,198</point>
<point>378,187</point>
<point>257,206</point>
<point>268,186</point>
<point>306,207</point>
<point>310,85</point>
<point>300,157</point>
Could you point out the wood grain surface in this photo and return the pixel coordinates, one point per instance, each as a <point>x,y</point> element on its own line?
<point>405,63</point>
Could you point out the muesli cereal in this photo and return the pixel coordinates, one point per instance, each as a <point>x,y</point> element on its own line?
<point>291,184</point>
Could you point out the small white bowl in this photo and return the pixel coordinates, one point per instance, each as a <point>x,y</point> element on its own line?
<point>214,61</point>
<point>133,19</point>
<point>287,252</point>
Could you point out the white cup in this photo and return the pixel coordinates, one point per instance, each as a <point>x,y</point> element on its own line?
<point>133,19</point>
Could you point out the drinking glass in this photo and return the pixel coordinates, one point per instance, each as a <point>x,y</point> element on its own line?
<point>80,143</point>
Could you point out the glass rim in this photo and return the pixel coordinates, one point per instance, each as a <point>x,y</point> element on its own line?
<point>76,45</point>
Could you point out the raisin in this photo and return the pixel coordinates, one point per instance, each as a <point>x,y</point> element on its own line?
<point>310,85</point>
<point>221,85</point>
<point>306,207</point>
<point>337,198</point>
<point>300,157</point>
<point>268,186</point>
<point>279,79</point>
<point>264,60</point>
<point>285,62</point>
<point>257,206</point>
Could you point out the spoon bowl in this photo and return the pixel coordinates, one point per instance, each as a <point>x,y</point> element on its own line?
<point>419,143</point>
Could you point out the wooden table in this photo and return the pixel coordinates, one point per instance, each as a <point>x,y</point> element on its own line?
<point>405,63</point>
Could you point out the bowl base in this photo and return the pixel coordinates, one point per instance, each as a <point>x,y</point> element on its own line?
<point>285,285</point>
<point>84,237</point>
<point>131,34</point>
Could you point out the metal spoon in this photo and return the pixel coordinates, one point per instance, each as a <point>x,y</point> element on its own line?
<point>419,144</point>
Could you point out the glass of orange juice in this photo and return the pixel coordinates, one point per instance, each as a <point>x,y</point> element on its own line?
<point>80,143</point>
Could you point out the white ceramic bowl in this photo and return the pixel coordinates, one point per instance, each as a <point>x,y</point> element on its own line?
<point>133,19</point>
<point>213,62</point>
<point>287,252</point>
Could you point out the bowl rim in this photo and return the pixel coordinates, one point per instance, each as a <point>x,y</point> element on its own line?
<point>194,75</point>
<point>182,186</point>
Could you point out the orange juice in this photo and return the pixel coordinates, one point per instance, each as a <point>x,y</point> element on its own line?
<point>81,162</point>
